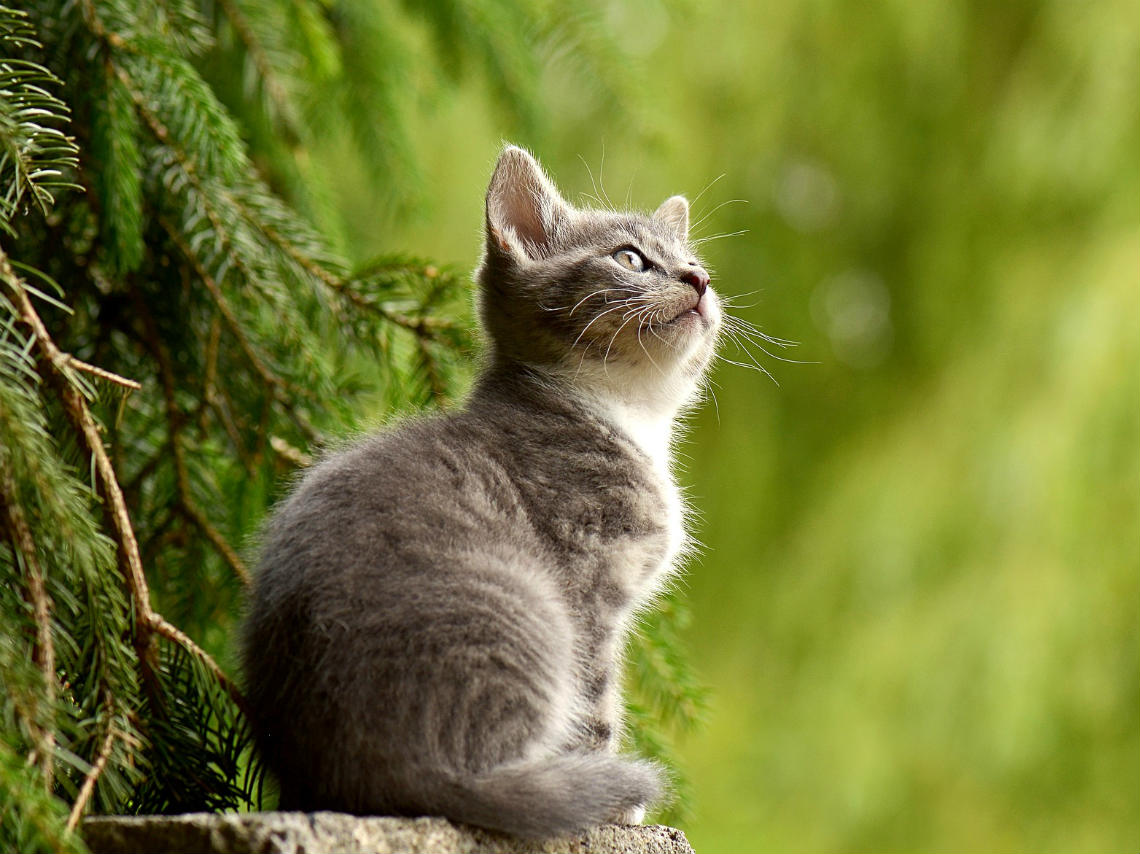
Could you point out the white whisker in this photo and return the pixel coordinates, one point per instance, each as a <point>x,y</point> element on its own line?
<point>705,216</point>
<point>708,187</point>
<point>578,304</point>
<point>596,317</point>
<point>702,240</point>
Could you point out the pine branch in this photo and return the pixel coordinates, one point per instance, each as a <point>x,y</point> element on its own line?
<point>103,374</point>
<point>278,98</point>
<point>35,153</point>
<point>92,776</point>
<point>187,504</point>
<point>279,387</point>
<point>118,178</point>
<point>43,651</point>
<point>147,622</point>
<point>161,626</point>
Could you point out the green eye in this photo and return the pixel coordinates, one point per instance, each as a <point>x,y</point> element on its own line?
<point>630,259</point>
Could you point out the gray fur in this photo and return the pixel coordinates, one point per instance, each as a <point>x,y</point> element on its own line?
<point>440,609</point>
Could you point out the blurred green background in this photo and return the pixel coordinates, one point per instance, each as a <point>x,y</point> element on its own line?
<point>918,611</point>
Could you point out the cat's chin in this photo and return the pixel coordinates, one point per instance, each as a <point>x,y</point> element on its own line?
<point>690,325</point>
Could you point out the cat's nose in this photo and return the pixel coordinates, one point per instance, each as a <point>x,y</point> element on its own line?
<point>698,278</point>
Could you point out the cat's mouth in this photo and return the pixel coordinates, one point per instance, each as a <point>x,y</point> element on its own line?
<point>696,311</point>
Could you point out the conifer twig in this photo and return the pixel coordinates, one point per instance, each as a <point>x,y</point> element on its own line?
<point>147,622</point>
<point>92,777</point>
<point>263,371</point>
<point>102,373</point>
<point>43,652</point>
<point>435,381</point>
<point>279,388</point>
<point>160,625</point>
<point>187,504</point>
<point>425,327</point>
<point>260,58</point>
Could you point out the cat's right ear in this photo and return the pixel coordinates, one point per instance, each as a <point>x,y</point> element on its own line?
<point>524,210</point>
<point>674,213</point>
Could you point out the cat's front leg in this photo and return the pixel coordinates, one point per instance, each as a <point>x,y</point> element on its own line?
<point>633,815</point>
<point>601,703</point>
<point>601,729</point>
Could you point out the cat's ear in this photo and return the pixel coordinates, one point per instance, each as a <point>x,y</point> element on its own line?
<point>524,210</point>
<point>674,212</point>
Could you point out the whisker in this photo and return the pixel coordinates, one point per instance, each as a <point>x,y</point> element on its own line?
<point>593,183</point>
<point>741,341</point>
<point>629,191</point>
<point>744,325</point>
<point>730,301</point>
<point>752,366</point>
<point>606,357</point>
<point>741,335</point>
<point>708,187</point>
<point>602,180</point>
<point>648,355</point>
<point>716,404</point>
<point>596,317</point>
<point>594,294</point>
<point>702,240</point>
<point>705,216</point>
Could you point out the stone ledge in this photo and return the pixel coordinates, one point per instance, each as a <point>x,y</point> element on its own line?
<point>311,833</point>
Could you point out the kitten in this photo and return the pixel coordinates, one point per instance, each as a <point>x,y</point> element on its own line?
<point>440,610</point>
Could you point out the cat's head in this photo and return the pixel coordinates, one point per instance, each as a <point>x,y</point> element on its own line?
<point>617,302</point>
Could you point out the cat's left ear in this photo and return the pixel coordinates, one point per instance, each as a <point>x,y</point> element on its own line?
<point>524,210</point>
<point>674,212</point>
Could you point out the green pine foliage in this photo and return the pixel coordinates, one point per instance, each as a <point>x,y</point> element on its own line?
<point>177,338</point>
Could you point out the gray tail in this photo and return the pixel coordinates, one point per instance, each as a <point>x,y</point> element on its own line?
<point>553,796</point>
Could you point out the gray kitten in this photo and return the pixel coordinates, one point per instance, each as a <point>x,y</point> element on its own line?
<point>440,611</point>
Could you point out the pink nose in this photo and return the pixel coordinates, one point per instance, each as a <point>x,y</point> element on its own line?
<point>698,278</point>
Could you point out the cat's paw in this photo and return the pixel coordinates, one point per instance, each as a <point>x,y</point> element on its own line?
<point>633,815</point>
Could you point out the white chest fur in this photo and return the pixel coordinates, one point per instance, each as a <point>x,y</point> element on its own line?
<point>653,434</point>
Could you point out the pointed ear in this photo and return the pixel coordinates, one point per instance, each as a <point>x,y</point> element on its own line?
<point>524,210</point>
<point>674,212</point>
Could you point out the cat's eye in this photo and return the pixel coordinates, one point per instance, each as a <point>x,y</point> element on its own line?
<point>630,259</point>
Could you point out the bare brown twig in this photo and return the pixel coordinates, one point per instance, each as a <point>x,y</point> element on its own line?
<point>103,374</point>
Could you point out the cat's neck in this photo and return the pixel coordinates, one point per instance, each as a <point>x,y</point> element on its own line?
<point>651,431</point>
<point>644,413</point>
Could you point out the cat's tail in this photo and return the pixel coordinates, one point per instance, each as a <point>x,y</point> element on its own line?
<point>554,796</point>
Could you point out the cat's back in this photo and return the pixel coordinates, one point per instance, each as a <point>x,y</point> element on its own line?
<point>386,502</point>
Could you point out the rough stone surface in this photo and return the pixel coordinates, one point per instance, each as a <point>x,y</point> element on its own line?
<point>312,833</point>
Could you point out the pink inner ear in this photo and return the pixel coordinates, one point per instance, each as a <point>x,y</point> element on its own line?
<point>497,236</point>
<point>521,209</point>
<point>522,204</point>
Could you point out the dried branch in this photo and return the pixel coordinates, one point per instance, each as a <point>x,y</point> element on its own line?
<point>220,544</point>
